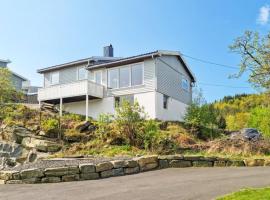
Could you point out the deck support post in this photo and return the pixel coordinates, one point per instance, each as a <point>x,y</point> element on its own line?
<point>61,107</point>
<point>86,107</point>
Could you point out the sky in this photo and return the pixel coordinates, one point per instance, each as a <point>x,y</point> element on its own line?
<point>36,34</point>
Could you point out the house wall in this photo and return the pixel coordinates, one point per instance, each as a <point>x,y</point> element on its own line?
<point>174,112</point>
<point>17,81</point>
<point>170,72</point>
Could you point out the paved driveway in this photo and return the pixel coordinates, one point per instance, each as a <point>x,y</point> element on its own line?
<point>188,183</point>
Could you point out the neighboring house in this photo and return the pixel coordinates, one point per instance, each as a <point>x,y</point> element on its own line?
<point>160,81</point>
<point>21,83</point>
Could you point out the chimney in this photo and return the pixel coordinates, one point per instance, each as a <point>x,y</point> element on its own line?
<point>108,51</point>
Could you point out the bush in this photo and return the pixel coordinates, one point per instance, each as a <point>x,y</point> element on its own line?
<point>50,127</point>
<point>149,134</point>
<point>237,121</point>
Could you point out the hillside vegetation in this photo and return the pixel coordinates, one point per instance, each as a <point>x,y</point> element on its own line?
<point>242,111</point>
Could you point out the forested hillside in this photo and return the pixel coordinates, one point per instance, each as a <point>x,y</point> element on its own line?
<point>244,110</point>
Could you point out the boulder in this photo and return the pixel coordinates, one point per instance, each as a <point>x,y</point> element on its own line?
<point>163,164</point>
<point>132,170</point>
<point>68,178</point>
<point>180,163</point>
<point>31,173</point>
<point>31,180</point>
<point>89,176</point>
<point>220,163</point>
<point>235,163</point>
<point>87,168</point>
<point>104,166</point>
<point>61,171</point>
<point>118,163</point>
<point>171,157</point>
<point>9,175</point>
<point>14,182</point>
<point>131,163</point>
<point>193,158</point>
<point>106,174</point>
<point>83,126</point>
<point>118,172</point>
<point>51,180</point>
<point>40,144</point>
<point>202,163</point>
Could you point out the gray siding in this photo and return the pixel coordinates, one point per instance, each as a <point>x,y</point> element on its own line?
<point>17,81</point>
<point>3,64</point>
<point>169,76</point>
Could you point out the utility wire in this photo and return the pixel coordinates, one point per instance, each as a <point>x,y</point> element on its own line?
<point>209,62</point>
<point>220,85</point>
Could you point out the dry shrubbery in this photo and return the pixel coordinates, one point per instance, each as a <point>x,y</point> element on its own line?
<point>239,147</point>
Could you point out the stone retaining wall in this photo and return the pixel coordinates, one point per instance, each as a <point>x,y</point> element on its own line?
<point>90,171</point>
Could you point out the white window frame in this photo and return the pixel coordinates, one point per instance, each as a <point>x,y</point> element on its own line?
<point>101,77</point>
<point>78,73</point>
<point>55,72</point>
<point>130,76</point>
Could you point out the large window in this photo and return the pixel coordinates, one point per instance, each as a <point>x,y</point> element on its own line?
<point>124,77</point>
<point>118,101</point>
<point>82,73</point>
<point>113,75</point>
<point>98,77</point>
<point>137,74</point>
<point>54,78</point>
<point>185,84</point>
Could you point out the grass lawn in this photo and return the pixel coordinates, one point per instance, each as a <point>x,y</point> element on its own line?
<point>248,194</point>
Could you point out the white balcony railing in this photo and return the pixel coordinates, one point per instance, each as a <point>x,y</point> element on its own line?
<point>74,89</point>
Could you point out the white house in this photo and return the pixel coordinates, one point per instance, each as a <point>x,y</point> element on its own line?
<point>160,81</point>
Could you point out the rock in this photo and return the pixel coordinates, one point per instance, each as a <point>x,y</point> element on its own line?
<point>11,162</point>
<point>61,171</point>
<point>32,156</point>
<point>131,163</point>
<point>132,170</point>
<point>83,126</point>
<point>118,163</point>
<point>87,168</point>
<point>202,163</point>
<point>267,163</point>
<point>235,163</point>
<point>14,182</point>
<point>171,157</point>
<point>41,145</point>
<point>118,172</point>
<point>31,180</point>
<point>220,163</point>
<point>250,134</point>
<point>89,176</point>
<point>193,158</point>
<point>163,164</point>
<point>31,173</point>
<point>51,179</point>
<point>104,166</point>
<point>106,174</point>
<point>254,162</point>
<point>68,178</point>
<point>149,166</point>
<point>9,175</point>
<point>180,163</point>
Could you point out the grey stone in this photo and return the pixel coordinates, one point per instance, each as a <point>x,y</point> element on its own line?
<point>131,163</point>
<point>104,166</point>
<point>193,158</point>
<point>118,163</point>
<point>61,171</point>
<point>31,173</point>
<point>132,170</point>
<point>171,157</point>
<point>14,182</point>
<point>180,163</point>
<point>202,163</point>
<point>106,174</point>
<point>118,172</point>
<point>87,168</point>
<point>89,176</point>
<point>163,164</point>
<point>235,163</point>
<point>9,175</point>
<point>31,180</point>
<point>68,178</point>
<point>149,166</point>
<point>51,179</point>
<point>220,163</point>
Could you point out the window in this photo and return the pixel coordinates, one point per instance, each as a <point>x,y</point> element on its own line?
<point>124,77</point>
<point>98,77</point>
<point>119,100</point>
<point>82,73</point>
<point>113,75</point>
<point>165,101</point>
<point>137,74</point>
<point>54,78</point>
<point>185,84</point>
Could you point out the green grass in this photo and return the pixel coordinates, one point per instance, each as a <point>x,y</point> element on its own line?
<point>248,194</point>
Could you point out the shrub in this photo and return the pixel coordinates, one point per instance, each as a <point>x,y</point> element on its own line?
<point>237,121</point>
<point>149,134</point>
<point>50,127</point>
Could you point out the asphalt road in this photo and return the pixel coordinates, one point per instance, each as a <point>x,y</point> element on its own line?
<point>188,183</point>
